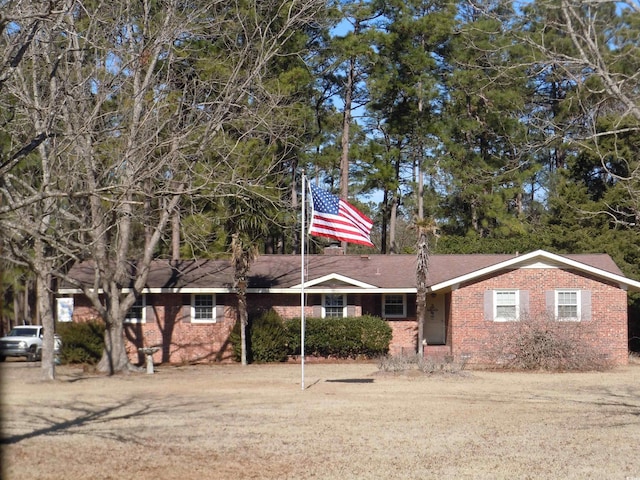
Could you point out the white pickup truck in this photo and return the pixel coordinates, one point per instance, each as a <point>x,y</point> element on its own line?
<point>25,341</point>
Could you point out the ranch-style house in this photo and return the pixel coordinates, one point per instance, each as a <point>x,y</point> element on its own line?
<point>189,307</point>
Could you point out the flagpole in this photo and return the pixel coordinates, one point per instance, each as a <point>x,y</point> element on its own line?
<point>302,242</point>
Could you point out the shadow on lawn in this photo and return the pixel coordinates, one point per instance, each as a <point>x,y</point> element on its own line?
<point>621,402</point>
<point>86,415</point>
<point>351,380</point>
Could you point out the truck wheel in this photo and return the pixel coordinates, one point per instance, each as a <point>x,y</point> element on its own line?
<point>32,356</point>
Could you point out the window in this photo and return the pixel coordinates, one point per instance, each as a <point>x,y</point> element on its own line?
<point>506,305</point>
<point>394,305</point>
<point>203,308</point>
<point>333,305</point>
<point>568,304</point>
<point>136,313</point>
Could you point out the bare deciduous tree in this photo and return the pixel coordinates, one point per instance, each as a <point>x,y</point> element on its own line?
<point>142,106</point>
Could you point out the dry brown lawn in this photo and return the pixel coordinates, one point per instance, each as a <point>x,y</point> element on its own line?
<point>350,422</point>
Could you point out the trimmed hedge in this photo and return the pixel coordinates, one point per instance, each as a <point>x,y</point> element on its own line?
<point>267,339</point>
<point>81,342</point>
<point>349,337</point>
<point>270,339</point>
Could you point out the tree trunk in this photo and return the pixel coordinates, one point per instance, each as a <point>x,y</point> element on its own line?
<point>241,258</point>
<point>26,307</point>
<point>422,267</point>
<point>114,356</point>
<point>244,320</point>
<point>175,235</point>
<point>384,224</point>
<point>45,311</point>
<point>346,126</point>
<point>393,247</point>
<point>420,191</point>
<point>421,301</point>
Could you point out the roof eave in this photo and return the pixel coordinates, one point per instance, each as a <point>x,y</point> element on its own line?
<point>522,259</point>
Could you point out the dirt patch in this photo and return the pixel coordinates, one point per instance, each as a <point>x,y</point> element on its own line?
<point>350,422</point>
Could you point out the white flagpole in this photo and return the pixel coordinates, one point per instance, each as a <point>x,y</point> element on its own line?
<point>302,242</point>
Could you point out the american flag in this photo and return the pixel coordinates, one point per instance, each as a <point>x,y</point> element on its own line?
<point>335,218</point>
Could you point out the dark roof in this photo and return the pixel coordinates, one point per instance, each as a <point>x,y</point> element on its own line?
<point>283,271</point>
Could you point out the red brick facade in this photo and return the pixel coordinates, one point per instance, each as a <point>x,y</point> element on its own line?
<point>473,337</point>
<point>470,335</point>
<point>168,325</point>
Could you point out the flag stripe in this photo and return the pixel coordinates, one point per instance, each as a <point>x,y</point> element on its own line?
<point>338,234</point>
<point>357,217</point>
<point>326,226</point>
<point>337,219</point>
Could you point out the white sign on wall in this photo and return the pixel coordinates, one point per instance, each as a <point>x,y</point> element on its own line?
<point>65,309</point>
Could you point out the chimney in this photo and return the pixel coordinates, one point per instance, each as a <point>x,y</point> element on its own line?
<point>333,250</point>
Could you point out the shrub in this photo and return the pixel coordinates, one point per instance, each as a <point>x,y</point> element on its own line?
<point>266,339</point>
<point>271,340</point>
<point>545,343</point>
<point>397,363</point>
<point>404,363</point>
<point>81,342</point>
<point>350,337</point>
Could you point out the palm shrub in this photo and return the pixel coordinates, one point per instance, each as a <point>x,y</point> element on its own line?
<point>81,342</point>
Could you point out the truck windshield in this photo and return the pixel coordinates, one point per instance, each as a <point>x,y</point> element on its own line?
<point>23,332</point>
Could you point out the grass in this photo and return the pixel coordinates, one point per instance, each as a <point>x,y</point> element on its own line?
<point>351,422</point>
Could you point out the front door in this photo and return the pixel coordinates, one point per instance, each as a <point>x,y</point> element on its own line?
<point>434,325</point>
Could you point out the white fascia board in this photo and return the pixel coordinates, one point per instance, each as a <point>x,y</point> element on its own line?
<point>68,291</point>
<point>336,276</point>
<point>189,290</point>
<point>613,277</point>
<point>291,290</point>
<point>524,259</point>
<point>76,291</point>
<point>296,290</point>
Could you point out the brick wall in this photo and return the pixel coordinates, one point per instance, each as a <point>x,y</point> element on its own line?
<point>405,331</point>
<point>405,337</point>
<point>168,326</point>
<point>469,334</point>
<point>474,337</point>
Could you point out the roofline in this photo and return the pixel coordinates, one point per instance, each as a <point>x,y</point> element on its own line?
<point>357,286</point>
<point>296,290</point>
<point>290,290</point>
<point>335,276</point>
<point>512,262</point>
<point>78,291</point>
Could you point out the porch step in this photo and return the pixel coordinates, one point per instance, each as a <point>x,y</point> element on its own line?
<point>437,349</point>
<point>437,352</point>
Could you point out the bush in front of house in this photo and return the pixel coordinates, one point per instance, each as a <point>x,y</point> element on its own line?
<point>415,362</point>
<point>267,339</point>
<point>81,342</point>
<point>349,337</point>
<point>544,343</point>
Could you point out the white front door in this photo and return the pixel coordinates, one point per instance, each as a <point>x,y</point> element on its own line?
<point>434,325</point>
